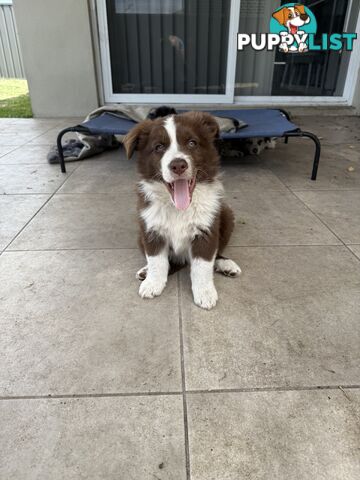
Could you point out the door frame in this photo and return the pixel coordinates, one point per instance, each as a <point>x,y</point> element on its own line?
<point>111,97</point>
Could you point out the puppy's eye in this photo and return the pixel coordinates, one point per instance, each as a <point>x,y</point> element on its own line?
<point>290,16</point>
<point>192,143</point>
<point>159,147</point>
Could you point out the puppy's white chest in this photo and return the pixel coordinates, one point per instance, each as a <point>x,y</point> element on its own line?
<point>177,227</point>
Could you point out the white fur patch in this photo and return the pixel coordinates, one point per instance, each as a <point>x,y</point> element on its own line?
<point>202,283</point>
<point>173,152</point>
<point>180,227</point>
<point>227,267</point>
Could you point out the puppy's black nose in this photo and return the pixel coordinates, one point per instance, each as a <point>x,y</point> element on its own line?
<point>304,16</point>
<point>178,166</point>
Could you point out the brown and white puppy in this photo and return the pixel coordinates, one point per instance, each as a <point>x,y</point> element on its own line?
<point>182,215</point>
<point>293,18</point>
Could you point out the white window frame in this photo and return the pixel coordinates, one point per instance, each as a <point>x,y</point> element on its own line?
<point>228,98</point>
<point>111,97</point>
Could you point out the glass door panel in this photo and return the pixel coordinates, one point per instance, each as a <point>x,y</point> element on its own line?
<point>312,73</point>
<point>169,46</point>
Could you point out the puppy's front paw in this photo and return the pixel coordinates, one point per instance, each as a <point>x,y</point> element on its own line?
<point>150,288</point>
<point>205,297</point>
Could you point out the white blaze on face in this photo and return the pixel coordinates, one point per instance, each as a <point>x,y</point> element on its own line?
<point>180,185</point>
<point>172,153</point>
<point>296,21</point>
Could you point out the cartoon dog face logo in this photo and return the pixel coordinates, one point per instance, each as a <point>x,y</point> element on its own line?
<point>292,18</point>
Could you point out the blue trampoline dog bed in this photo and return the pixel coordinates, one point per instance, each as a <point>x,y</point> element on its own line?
<point>262,122</point>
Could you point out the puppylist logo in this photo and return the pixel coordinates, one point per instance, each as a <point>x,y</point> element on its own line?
<point>293,27</point>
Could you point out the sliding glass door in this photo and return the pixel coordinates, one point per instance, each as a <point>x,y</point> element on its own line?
<point>169,50</point>
<point>185,51</point>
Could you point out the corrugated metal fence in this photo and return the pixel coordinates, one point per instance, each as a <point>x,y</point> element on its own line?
<point>11,64</point>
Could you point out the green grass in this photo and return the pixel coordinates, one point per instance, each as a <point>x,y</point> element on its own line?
<point>14,98</point>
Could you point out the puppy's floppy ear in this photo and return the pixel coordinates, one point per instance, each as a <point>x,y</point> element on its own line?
<point>211,125</point>
<point>279,15</point>
<point>207,121</point>
<point>300,7</point>
<point>136,138</point>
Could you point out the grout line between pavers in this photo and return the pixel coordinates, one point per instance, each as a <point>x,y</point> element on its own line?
<point>39,209</point>
<point>4,154</point>
<point>82,249</point>
<point>25,163</point>
<point>319,218</point>
<point>183,383</point>
<point>89,395</point>
<point>274,389</point>
<point>327,226</point>
<point>108,194</point>
<point>181,393</point>
<point>294,190</point>
<point>16,147</point>
<point>136,248</point>
<point>58,194</point>
<point>284,245</point>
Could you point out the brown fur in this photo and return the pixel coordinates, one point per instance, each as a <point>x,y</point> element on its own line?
<point>226,227</point>
<point>301,9</point>
<point>282,16</point>
<point>206,245</point>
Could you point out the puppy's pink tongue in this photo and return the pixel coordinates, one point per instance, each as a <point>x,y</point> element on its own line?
<point>181,194</point>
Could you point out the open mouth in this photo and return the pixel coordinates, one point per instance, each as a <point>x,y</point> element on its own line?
<point>293,29</point>
<point>181,192</point>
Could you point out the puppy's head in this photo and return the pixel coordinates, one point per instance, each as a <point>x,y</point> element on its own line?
<point>292,17</point>
<point>178,150</point>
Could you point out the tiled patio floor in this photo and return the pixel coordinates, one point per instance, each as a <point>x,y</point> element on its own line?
<point>96,383</point>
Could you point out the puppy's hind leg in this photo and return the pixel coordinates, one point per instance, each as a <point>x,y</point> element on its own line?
<point>141,274</point>
<point>223,264</point>
<point>174,267</point>
<point>227,267</point>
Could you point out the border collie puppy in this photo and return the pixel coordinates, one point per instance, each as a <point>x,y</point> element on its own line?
<point>182,215</point>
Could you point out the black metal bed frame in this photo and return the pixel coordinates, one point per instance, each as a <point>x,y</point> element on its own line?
<point>314,138</point>
<point>286,135</point>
